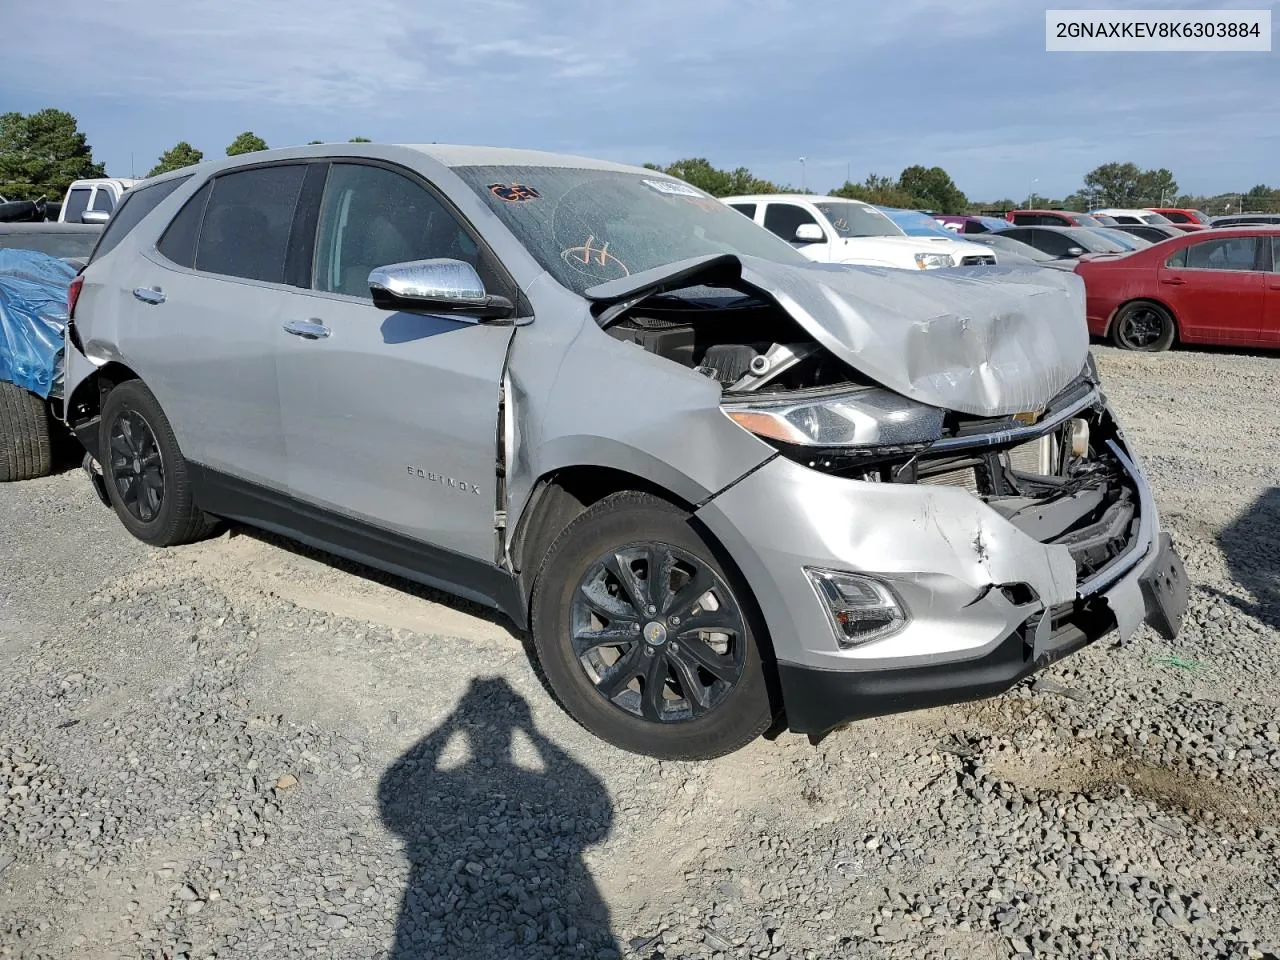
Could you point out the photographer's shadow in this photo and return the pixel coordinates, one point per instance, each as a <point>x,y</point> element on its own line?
<point>496,849</point>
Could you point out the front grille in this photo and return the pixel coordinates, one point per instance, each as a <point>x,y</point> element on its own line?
<point>978,261</point>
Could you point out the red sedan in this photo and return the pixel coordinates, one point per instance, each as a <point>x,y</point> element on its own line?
<point>1212,286</point>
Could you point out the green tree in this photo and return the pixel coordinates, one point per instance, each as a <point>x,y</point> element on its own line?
<point>1156,188</point>
<point>41,153</point>
<point>181,154</point>
<point>247,142</point>
<point>719,183</point>
<point>877,189</point>
<point>359,140</point>
<point>932,189</point>
<point>1114,184</point>
<point>1262,198</point>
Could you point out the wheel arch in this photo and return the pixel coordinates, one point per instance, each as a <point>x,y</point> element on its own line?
<point>84,406</point>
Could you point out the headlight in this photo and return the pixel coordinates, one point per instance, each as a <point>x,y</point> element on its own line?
<point>930,261</point>
<point>871,417</point>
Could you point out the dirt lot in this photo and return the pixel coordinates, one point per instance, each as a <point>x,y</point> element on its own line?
<point>239,749</point>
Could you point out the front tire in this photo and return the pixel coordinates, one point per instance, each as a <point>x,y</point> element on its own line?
<point>645,638</point>
<point>1143,326</point>
<point>26,449</point>
<point>148,480</point>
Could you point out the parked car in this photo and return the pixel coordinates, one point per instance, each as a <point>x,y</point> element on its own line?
<point>1151,232</point>
<point>1066,242</point>
<point>1219,286</point>
<point>70,241</point>
<point>1247,220</point>
<point>1052,218</point>
<point>1183,218</point>
<point>91,201</point>
<point>1017,251</point>
<point>584,394</point>
<point>1125,215</point>
<point>971,224</point>
<point>835,230</point>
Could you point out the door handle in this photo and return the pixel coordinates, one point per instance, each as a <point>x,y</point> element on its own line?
<point>1175,281</point>
<point>151,295</point>
<point>307,329</point>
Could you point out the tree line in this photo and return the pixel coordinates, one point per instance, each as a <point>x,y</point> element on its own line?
<point>41,153</point>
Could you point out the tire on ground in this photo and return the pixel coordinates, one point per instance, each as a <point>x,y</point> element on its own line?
<point>1168,327</point>
<point>26,448</point>
<point>745,711</point>
<point>178,519</point>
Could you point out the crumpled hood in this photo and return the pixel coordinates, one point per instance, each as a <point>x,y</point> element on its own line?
<point>1003,340</point>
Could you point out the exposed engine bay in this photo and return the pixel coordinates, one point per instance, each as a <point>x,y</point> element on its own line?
<point>743,343</point>
<point>1060,483</point>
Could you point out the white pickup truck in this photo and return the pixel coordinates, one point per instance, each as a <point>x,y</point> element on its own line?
<point>91,201</point>
<point>835,230</point>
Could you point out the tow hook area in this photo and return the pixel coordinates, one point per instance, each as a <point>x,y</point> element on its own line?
<point>93,469</point>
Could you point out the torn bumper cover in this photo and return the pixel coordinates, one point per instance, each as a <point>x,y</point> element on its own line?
<point>989,591</point>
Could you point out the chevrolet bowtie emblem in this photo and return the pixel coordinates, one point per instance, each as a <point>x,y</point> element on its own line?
<point>1028,417</point>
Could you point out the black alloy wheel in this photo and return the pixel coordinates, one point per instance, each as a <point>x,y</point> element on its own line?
<point>657,632</point>
<point>1142,326</point>
<point>136,466</point>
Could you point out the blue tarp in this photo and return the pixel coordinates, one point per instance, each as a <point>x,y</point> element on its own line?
<point>33,317</point>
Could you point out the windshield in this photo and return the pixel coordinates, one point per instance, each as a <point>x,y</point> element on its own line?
<point>1010,245</point>
<point>857,219</point>
<point>1155,218</point>
<point>1095,241</point>
<point>1084,220</point>
<point>1201,216</point>
<point>916,224</point>
<point>54,244</point>
<point>586,227</point>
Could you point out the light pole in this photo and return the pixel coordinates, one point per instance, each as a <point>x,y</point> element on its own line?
<point>1031,189</point>
<point>803,183</point>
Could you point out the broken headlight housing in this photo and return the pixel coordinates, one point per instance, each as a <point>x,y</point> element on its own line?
<point>868,418</point>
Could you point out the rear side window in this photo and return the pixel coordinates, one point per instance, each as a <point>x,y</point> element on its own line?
<point>1178,259</point>
<point>1229,253</point>
<point>134,205</point>
<point>1275,254</point>
<point>103,200</point>
<point>77,204</point>
<point>245,232</point>
<point>746,209</point>
<point>179,240</point>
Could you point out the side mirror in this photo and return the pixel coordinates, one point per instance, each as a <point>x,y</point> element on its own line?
<point>437,286</point>
<point>809,233</point>
<point>95,216</point>
<point>1075,251</point>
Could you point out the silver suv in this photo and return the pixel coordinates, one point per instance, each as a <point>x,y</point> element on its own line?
<point>721,485</point>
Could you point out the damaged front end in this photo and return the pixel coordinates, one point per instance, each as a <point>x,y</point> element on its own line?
<point>952,505</point>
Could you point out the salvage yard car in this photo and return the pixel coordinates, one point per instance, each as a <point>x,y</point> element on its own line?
<point>836,230</point>
<point>1218,286</point>
<point>719,483</point>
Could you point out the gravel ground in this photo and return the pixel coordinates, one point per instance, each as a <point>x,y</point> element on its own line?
<point>238,749</point>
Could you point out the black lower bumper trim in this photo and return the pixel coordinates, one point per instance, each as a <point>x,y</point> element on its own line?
<point>818,700</point>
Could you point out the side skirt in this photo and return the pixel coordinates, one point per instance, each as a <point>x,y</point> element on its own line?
<point>258,506</point>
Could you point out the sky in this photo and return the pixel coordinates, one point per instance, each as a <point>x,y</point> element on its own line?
<point>854,86</point>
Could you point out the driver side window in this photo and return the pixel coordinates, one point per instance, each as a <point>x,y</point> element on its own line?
<point>371,216</point>
<point>784,218</point>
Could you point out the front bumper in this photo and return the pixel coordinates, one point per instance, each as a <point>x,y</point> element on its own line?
<point>987,603</point>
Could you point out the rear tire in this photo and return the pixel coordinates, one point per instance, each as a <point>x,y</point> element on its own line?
<point>696,635</point>
<point>148,480</point>
<point>1143,326</point>
<point>26,449</point>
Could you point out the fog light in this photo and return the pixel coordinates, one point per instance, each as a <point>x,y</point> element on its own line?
<point>860,609</point>
<point>1078,436</point>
